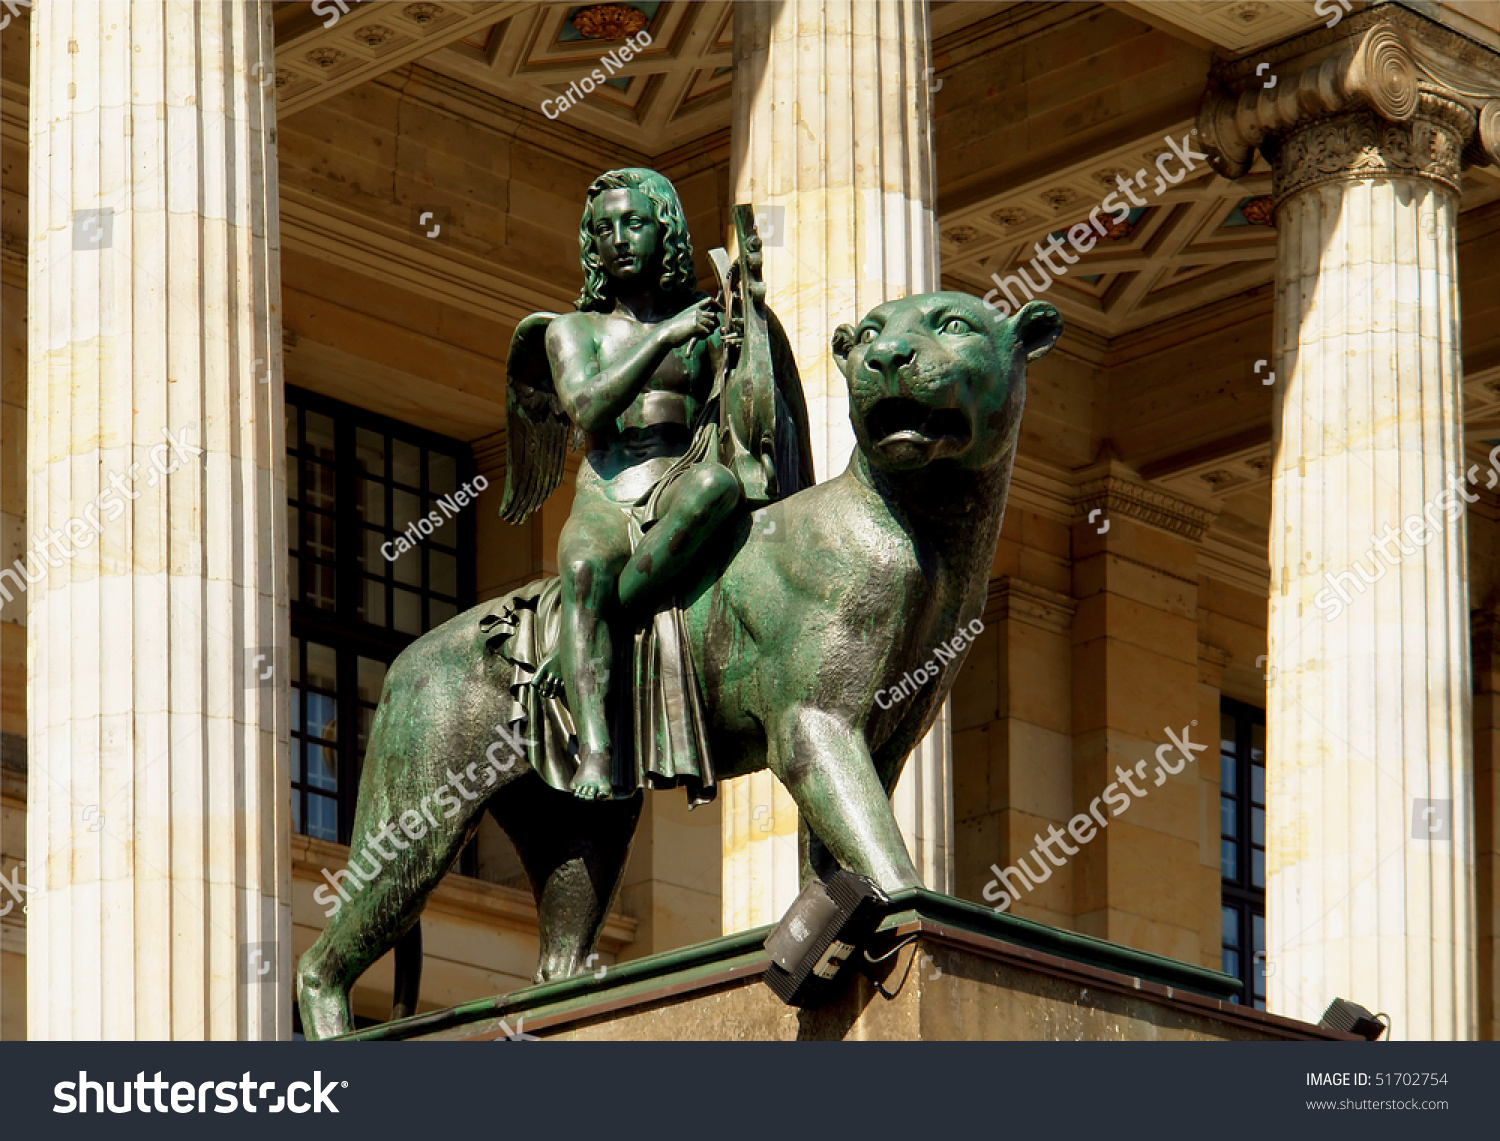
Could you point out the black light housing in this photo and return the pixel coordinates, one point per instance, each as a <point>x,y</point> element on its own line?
<point>1352,1018</point>
<point>826,924</point>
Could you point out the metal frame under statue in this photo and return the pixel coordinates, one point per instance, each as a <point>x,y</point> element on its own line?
<point>716,613</point>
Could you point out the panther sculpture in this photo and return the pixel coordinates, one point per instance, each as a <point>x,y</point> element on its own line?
<point>807,613</point>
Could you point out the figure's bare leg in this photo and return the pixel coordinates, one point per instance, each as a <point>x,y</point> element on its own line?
<point>691,511</point>
<point>594,546</point>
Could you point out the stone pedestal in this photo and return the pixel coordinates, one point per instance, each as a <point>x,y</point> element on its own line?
<point>949,971</point>
<point>1370,844</point>
<point>832,144</point>
<point>157,816</point>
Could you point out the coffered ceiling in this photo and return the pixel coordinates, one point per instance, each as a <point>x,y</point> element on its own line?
<point>1195,242</point>
<point>1192,243</point>
<point>1237,26</point>
<point>674,91</point>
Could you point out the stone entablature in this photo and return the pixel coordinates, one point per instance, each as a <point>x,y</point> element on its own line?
<point>1117,494</point>
<point>1027,602</point>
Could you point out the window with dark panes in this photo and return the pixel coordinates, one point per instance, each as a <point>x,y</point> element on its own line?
<point>1242,845</point>
<point>364,582</point>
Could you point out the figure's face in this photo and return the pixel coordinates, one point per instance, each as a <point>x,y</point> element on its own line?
<point>627,237</point>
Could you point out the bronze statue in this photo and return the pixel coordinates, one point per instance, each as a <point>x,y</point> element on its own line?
<point>637,376</point>
<point>778,635</point>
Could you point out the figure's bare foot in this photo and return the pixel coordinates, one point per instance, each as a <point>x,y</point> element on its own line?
<point>592,781</point>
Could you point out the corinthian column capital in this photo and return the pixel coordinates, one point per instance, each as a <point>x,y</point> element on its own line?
<point>1383,92</point>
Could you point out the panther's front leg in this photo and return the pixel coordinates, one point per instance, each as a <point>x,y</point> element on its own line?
<point>826,766</point>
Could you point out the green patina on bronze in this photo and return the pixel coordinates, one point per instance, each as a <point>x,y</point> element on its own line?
<point>753,619</point>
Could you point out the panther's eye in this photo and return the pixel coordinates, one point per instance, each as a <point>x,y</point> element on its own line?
<point>958,327</point>
<point>867,334</point>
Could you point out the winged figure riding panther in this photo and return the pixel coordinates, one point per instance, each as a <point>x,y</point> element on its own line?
<point>708,591</point>
<point>689,409</point>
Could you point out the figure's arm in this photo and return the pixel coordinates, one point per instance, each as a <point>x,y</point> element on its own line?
<point>592,396</point>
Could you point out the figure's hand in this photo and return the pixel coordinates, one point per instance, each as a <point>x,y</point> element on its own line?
<point>548,679</point>
<point>697,320</point>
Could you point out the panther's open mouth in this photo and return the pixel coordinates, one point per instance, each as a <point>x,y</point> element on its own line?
<point>903,428</point>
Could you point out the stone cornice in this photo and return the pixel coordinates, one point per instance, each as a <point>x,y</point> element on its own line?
<point>1044,488</point>
<point>1012,26</point>
<point>380,250</point>
<point>1026,602</point>
<point>419,84</point>
<point>1118,493</point>
<point>706,153</point>
<point>489,453</point>
<point>1227,558</point>
<point>1211,663</point>
<point>1387,61</point>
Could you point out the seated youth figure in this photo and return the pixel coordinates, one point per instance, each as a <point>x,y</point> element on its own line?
<point>632,374</point>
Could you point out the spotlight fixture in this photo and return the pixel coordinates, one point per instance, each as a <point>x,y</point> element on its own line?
<point>826,924</point>
<point>1352,1018</point>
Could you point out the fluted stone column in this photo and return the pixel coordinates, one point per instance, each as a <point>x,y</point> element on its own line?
<point>923,802</point>
<point>1369,897</point>
<point>158,809</point>
<point>832,143</point>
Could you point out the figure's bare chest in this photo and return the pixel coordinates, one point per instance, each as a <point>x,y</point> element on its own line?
<point>686,370</point>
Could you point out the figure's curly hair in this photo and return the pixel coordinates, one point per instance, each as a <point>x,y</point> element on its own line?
<point>677,276</point>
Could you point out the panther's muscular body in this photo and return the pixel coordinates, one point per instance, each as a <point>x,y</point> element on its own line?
<point>811,608</point>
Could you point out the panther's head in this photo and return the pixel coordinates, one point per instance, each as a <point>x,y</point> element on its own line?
<point>940,376</point>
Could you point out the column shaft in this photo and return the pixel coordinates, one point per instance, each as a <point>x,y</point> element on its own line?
<point>1369,897</point>
<point>157,821</point>
<point>832,143</point>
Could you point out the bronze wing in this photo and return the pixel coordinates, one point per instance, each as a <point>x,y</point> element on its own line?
<point>538,433</point>
<point>794,462</point>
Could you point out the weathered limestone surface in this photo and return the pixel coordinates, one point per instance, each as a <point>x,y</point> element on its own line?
<point>157,818</point>
<point>1135,640</point>
<point>1369,704</point>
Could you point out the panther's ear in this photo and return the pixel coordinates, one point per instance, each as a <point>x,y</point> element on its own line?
<point>1037,327</point>
<point>843,345</point>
